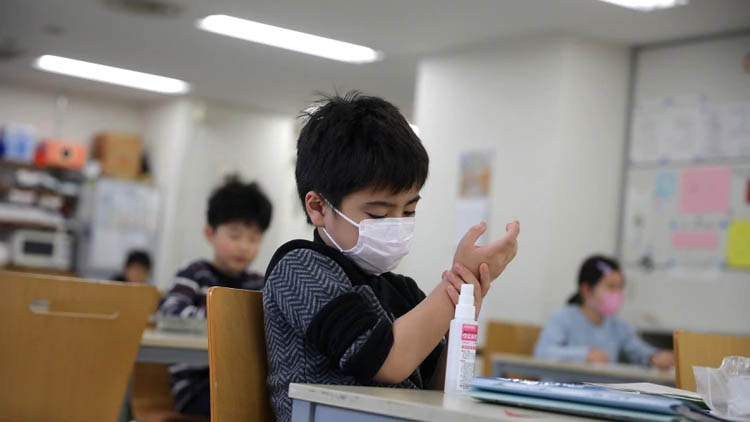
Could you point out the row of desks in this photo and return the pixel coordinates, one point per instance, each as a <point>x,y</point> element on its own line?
<point>370,404</point>
<point>166,347</point>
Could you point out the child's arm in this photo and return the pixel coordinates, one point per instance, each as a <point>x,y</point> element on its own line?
<point>496,254</point>
<point>417,333</point>
<point>180,300</point>
<point>552,343</point>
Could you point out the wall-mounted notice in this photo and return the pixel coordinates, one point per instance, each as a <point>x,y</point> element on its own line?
<point>705,190</point>
<point>473,204</point>
<point>738,244</point>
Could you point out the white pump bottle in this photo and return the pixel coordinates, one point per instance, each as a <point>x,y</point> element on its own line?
<point>462,343</point>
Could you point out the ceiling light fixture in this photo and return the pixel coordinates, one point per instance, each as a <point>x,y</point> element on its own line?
<point>288,39</point>
<point>647,5</point>
<point>111,75</point>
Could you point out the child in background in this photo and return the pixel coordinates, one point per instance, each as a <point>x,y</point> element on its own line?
<point>334,312</point>
<point>238,215</point>
<point>588,330</point>
<point>137,268</point>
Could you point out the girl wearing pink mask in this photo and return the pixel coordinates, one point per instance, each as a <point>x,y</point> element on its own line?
<point>587,329</point>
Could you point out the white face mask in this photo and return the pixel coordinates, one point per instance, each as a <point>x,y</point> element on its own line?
<point>382,242</point>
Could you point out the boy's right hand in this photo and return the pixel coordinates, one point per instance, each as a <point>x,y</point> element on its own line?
<point>497,255</point>
<point>460,275</point>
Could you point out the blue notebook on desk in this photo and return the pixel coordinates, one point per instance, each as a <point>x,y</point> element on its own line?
<point>587,400</point>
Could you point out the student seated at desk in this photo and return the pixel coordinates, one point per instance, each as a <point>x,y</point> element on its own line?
<point>238,215</point>
<point>334,312</point>
<point>137,268</point>
<point>587,328</point>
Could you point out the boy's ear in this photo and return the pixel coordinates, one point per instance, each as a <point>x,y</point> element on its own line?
<point>208,233</point>
<point>315,206</point>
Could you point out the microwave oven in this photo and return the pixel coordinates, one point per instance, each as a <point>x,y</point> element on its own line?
<point>41,249</point>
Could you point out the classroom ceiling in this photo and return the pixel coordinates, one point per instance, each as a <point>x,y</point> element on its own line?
<point>267,78</point>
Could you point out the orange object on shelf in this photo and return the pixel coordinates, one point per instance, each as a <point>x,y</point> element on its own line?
<point>61,153</point>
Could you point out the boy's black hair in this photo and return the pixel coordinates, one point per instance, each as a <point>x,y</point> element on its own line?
<point>591,273</point>
<point>238,201</point>
<point>138,257</point>
<point>355,142</point>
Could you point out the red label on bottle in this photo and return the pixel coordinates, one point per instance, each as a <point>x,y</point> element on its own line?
<point>469,332</point>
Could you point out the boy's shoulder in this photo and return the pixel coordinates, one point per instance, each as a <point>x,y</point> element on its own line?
<point>204,274</point>
<point>406,285</point>
<point>309,255</point>
<point>195,269</point>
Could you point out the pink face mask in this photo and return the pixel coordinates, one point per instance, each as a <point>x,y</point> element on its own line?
<point>611,303</point>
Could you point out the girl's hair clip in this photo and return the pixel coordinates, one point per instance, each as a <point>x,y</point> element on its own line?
<point>603,267</point>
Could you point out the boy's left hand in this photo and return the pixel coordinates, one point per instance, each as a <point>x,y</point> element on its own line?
<point>460,275</point>
<point>496,255</point>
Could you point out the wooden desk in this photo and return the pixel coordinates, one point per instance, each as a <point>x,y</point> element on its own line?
<point>172,347</point>
<point>371,404</point>
<point>504,363</point>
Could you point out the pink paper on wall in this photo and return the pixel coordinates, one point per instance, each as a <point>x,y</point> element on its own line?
<point>705,190</point>
<point>695,240</point>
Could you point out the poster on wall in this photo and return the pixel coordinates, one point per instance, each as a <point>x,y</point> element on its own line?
<point>473,204</point>
<point>687,203</point>
<point>693,218</point>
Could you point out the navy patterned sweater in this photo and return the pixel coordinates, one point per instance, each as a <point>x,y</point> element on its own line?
<point>328,322</point>
<point>187,299</point>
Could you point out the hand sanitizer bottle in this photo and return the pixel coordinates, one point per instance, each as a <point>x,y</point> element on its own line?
<point>462,343</point>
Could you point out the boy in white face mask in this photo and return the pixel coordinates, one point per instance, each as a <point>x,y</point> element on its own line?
<point>334,311</point>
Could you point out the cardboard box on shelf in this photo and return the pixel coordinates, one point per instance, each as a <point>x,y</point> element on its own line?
<point>119,154</point>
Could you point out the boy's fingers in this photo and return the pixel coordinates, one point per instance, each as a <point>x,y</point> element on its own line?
<point>452,294</point>
<point>473,234</point>
<point>514,225</point>
<point>510,236</point>
<point>467,276</point>
<point>453,279</point>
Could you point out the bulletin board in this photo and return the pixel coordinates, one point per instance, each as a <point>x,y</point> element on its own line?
<point>685,226</point>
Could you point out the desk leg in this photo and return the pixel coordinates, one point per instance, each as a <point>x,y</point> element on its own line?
<point>303,411</point>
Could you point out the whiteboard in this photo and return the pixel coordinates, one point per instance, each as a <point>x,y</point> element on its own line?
<point>685,226</point>
<point>122,216</point>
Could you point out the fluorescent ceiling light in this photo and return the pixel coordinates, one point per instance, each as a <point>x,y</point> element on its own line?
<point>111,75</point>
<point>414,128</point>
<point>288,39</point>
<point>647,5</point>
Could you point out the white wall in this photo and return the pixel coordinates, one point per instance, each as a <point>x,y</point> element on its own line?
<point>82,118</point>
<point>553,110</point>
<point>167,130</point>
<point>213,141</point>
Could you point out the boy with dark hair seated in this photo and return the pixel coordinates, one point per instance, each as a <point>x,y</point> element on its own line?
<point>334,312</point>
<point>137,268</point>
<point>238,215</point>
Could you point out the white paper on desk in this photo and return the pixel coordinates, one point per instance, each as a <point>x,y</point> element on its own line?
<point>650,388</point>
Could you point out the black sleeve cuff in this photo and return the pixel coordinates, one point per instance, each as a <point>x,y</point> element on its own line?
<point>340,323</point>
